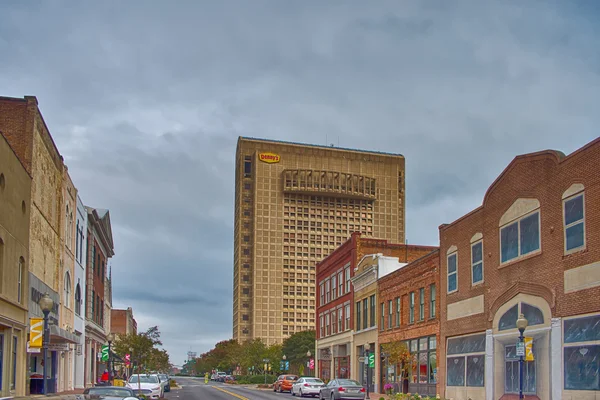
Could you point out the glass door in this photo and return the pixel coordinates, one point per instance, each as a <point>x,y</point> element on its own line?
<point>511,373</point>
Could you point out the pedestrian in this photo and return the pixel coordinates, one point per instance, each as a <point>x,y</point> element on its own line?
<point>104,377</point>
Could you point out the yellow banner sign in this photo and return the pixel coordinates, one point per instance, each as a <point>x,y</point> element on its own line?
<point>529,349</point>
<point>36,332</point>
<point>269,157</point>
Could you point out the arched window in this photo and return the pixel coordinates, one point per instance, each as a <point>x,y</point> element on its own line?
<point>78,299</point>
<point>67,300</point>
<point>533,315</point>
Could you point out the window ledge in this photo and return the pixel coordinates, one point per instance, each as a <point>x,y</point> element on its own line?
<point>519,259</point>
<point>575,252</point>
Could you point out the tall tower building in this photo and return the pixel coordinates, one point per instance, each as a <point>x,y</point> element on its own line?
<point>294,204</point>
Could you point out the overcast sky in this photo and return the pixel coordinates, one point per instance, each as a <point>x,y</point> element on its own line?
<point>146,99</point>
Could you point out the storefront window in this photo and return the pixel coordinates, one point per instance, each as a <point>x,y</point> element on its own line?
<point>582,353</point>
<point>466,361</point>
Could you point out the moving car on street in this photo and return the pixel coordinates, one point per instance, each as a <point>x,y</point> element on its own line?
<point>109,393</point>
<point>338,389</point>
<point>307,386</point>
<point>284,383</point>
<point>148,385</point>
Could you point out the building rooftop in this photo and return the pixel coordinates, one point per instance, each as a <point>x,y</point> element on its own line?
<point>320,146</point>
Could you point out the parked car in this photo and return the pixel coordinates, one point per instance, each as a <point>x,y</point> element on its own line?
<point>109,392</point>
<point>284,383</point>
<point>166,381</point>
<point>220,376</point>
<point>342,389</point>
<point>307,386</point>
<point>148,385</point>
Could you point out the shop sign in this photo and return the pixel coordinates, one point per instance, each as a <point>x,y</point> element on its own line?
<point>57,346</point>
<point>269,157</point>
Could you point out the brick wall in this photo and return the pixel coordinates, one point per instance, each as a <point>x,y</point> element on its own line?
<point>420,273</point>
<point>544,176</point>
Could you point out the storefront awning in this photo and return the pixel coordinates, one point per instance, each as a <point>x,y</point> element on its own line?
<point>58,335</point>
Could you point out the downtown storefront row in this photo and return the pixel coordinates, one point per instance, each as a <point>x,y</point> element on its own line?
<point>63,345</point>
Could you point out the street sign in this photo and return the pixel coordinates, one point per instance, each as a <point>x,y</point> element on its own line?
<point>57,346</point>
<point>371,360</point>
<point>104,353</point>
<point>520,349</point>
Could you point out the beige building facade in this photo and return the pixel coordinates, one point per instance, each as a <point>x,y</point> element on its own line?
<point>66,285</point>
<point>15,199</point>
<point>24,128</point>
<point>294,205</point>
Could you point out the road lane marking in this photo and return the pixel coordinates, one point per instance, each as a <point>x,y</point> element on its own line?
<point>231,393</point>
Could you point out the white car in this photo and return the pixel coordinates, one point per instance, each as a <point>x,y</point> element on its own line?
<point>149,385</point>
<point>307,386</point>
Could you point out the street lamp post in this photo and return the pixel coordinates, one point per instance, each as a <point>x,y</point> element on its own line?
<point>46,304</point>
<point>308,354</point>
<point>367,348</point>
<point>284,357</point>
<point>111,338</point>
<point>521,326</point>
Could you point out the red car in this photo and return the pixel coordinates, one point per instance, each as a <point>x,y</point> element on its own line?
<point>284,383</point>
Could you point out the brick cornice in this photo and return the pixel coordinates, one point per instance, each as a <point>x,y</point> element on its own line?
<point>529,288</point>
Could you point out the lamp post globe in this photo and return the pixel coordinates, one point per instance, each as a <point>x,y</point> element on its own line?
<point>46,303</point>
<point>284,357</point>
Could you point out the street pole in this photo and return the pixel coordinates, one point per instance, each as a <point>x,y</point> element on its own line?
<point>45,344</point>
<point>521,340</point>
<point>521,326</point>
<point>367,367</point>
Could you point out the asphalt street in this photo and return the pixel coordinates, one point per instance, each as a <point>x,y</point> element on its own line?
<point>196,389</point>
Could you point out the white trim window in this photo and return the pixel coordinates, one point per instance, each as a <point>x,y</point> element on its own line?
<point>347,316</point>
<point>340,319</point>
<point>347,273</point>
<point>477,263</point>
<point>321,326</point>
<point>67,290</point>
<point>520,237</point>
<point>340,283</point>
<point>397,312</point>
<point>327,291</point>
<point>574,223</point>
<point>334,287</point>
<point>411,307</point>
<point>327,325</point>
<point>453,272</point>
<point>322,293</point>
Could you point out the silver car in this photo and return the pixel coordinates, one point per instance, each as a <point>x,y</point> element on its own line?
<point>307,386</point>
<point>342,389</point>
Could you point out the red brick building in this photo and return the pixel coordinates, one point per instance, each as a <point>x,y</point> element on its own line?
<point>532,248</point>
<point>99,249</point>
<point>122,322</point>
<point>409,298</point>
<point>335,351</point>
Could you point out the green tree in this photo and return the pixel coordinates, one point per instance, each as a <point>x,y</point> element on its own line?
<point>297,345</point>
<point>142,348</point>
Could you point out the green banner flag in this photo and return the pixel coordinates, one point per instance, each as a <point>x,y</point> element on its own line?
<point>104,353</point>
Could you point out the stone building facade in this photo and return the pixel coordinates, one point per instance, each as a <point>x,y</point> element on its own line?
<point>410,318</point>
<point>294,205</point>
<point>15,203</point>
<point>533,247</point>
<point>23,127</point>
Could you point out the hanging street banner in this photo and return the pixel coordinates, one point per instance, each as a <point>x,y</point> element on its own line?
<point>104,353</point>
<point>371,360</point>
<point>36,332</point>
<point>529,349</point>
